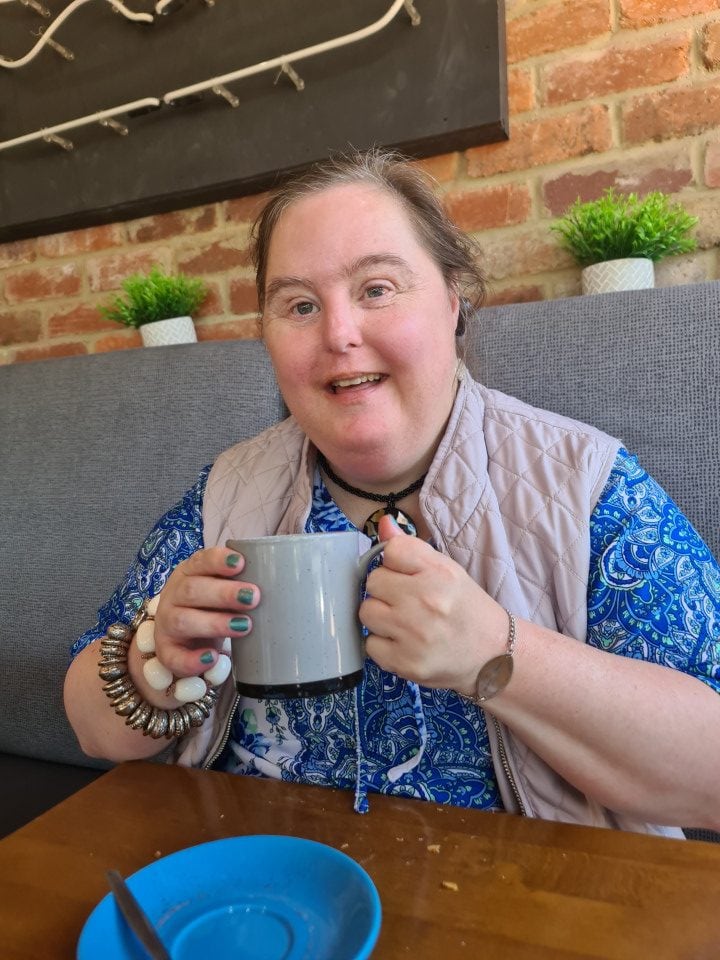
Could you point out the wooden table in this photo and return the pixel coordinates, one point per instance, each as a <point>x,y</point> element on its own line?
<point>453,883</point>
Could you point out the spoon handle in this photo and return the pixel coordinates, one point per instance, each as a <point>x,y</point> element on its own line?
<point>136,918</point>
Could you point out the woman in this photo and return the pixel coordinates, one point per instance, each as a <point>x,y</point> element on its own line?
<point>476,690</point>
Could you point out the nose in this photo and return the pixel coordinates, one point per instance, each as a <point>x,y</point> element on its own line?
<point>341,326</point>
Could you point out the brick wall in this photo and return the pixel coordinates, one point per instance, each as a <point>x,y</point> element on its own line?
<point>602,93</point>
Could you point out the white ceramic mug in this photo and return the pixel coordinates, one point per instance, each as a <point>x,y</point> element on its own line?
<point>306,639</point>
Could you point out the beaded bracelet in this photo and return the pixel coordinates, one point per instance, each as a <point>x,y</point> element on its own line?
<point>125,698</point>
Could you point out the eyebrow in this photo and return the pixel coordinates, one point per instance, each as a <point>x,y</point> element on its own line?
<point>377,259</point>
<point>278,284</point>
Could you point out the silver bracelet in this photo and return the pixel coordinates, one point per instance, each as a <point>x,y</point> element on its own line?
<point>127,701</point>
<point>495,675</point>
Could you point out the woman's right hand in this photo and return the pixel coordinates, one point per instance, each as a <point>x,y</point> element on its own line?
<point>199,606</point>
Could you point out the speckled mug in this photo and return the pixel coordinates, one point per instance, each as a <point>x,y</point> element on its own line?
<point>306,639</point>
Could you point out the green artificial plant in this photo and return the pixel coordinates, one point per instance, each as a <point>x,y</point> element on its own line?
<point>617,226</point>
<point>155,296</point>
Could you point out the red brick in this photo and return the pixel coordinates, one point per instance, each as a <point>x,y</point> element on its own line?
<point>49,352</point>
<point>710,45</point>
<point>669,172</point>
<point>245,329</point>
<point>81,241</point>
<point>500,297</point>
<point>665,114</point>
<point>17,253</point>
<point>20,326</point>
<point>521,91</point>
<point>549,140</point>
<point>42,283</point>
<point>500,206</point>
<point>620,68</point>
<point>215,257</point>
<point>108,273</point>
<point>82,318</point>
<point>712,164</point>
<point>126,340</point>
<point>245,209</point>
<point>441,168</point>
<point>527,252</point>
<point>646,13</point>
<point>557,26</point>
<point>243,296</point>
<point>178,223</point>
<point>213,304</point>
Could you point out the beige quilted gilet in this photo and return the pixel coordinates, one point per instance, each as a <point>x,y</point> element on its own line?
<point>509,496</point>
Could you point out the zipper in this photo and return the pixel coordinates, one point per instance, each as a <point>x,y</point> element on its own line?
<point>506,768</point>
<point>225,736</point>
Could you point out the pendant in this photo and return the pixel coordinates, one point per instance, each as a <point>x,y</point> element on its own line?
<point>370,527</point>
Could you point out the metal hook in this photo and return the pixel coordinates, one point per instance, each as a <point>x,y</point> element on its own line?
<point>114,125</point>
<point>57,47</point>
<point>415,18</point>
<point>290,71</point>
<point>223,92</point>
<point>37,7</point>
<point>59,141</point>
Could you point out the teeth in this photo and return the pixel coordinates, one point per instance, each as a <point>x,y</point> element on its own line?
<point>354,381</point>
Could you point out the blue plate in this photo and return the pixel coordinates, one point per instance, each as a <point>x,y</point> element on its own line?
<point>246,898</point>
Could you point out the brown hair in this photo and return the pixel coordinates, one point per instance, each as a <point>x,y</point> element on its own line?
<point>451,249</point>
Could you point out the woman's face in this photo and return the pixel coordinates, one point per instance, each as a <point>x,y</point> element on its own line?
<point>360,326</point>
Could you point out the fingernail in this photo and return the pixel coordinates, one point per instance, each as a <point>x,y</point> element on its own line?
<point>206,657</point>
<point>239,623</point>
<point>245,595</point>
<point>233,559</point>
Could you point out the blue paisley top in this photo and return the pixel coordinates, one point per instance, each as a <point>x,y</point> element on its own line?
<point>653,594</point>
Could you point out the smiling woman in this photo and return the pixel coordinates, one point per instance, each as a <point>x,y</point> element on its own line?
<point>528,649</point>
<point>360,326</point>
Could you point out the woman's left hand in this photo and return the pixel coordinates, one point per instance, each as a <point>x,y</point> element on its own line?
<point>428,620</point>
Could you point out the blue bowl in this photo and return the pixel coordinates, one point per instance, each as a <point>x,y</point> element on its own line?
<point>246,898</point>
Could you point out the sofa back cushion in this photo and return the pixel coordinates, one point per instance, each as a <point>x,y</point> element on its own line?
<point>94,450</point>
<point>641,365</point>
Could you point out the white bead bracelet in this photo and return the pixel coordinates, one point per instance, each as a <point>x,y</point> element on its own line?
<point>157,675</point>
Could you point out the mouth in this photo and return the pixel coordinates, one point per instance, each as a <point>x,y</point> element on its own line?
<point>353,382</point>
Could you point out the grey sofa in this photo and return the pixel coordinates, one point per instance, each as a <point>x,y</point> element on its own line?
<point>94,449</point>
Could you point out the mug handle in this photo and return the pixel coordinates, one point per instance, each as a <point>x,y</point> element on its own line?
<point>369,555</point>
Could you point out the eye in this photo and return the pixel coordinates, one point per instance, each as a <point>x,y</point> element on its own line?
<point>376,290</point>
<point>303,308</point>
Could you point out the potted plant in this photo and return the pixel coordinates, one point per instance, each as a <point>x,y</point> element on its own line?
<point>159,305</point>
<point>618,238</point>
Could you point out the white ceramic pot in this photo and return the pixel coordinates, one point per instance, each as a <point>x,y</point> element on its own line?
<point>161,333</point>
<point>632,273</point>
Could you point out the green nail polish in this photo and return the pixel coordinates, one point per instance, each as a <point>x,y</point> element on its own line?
<point>206,657</point>
<point>245,595</point>
<point>233,559</point>
<point>239,623</point>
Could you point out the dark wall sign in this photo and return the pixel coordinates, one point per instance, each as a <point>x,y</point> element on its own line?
<point>426,89</point>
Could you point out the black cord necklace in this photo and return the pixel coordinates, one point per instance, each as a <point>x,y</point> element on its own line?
<point>370,527</point>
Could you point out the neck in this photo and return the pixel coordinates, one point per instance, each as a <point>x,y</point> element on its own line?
<point>365,507</point>
<point>391,496</point>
